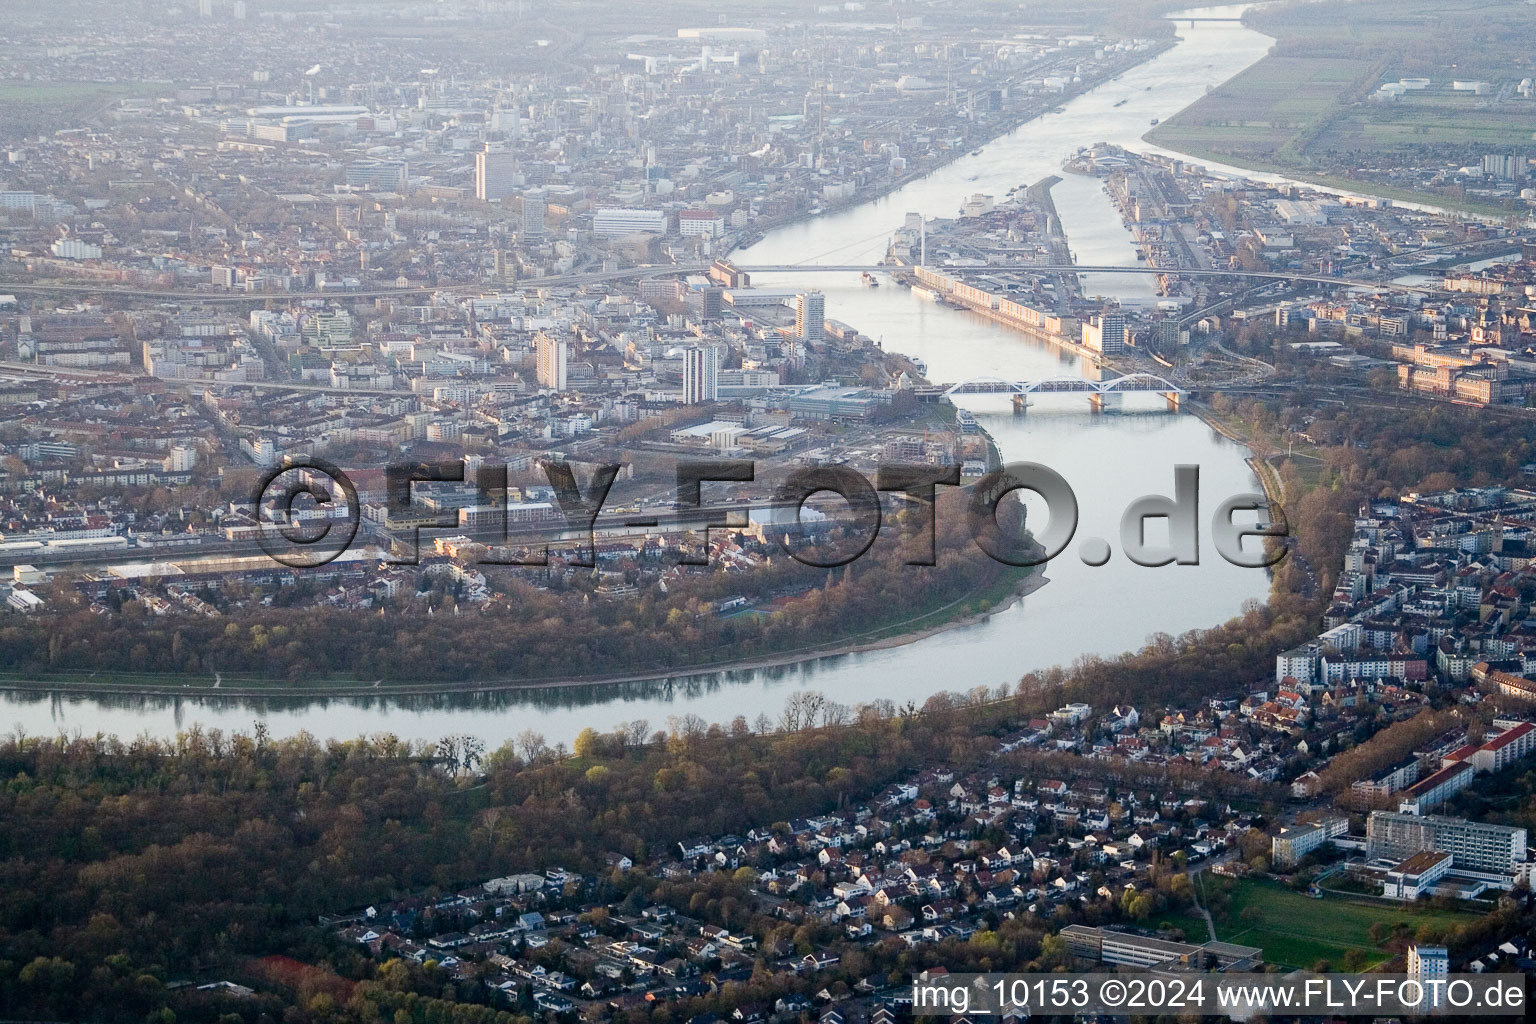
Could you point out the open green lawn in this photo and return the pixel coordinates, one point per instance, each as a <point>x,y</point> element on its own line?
<point>1187,921</point>
<point>1258,113</point>
<point>1295,930</point>
<point>1429,119</point>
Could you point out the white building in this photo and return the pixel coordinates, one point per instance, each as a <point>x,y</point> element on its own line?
<point>701,375</point>
<point>388,175</point>
<point>495,175</point>
<point>24,601</point>
<point>1417,876</point>
<point>1506,748</point>
<point>1071,714</point>
<point>74,249</point>
<point>617,222</point>
<point>1105,334</point>
<point>553,358</point>
<point>701,223</point>
<point>264,451</point>
<point>182,458</point>
<point>1429,963</point>
<point>534,206</point>
<point>736,383</point>
<point>811,316</point>
<point>327,328</point>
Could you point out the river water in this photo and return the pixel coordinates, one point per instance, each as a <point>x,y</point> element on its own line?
<point>1109,460</point>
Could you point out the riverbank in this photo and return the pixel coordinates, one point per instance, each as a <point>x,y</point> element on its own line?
<point>1336,184</point>
<point>863,196</point>
<point>990,601</point>
<point>1269,480</point>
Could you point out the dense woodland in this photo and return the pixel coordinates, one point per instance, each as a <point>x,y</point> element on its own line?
<point>128,865</point>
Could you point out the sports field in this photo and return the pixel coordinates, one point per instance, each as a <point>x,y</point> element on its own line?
<point>1295,930</point>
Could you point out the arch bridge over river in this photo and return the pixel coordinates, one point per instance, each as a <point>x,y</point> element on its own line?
<point>1101,394</point>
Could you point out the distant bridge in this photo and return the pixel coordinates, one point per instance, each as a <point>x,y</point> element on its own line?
<point>1075,268</point>
<point>1101,393</point>
<point>658,270</point>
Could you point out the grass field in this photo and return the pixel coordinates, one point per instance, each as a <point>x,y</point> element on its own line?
<point>1437,116</point>
<point>1308,109</point>
<point>1263,111</point>
<point>1297,931</point>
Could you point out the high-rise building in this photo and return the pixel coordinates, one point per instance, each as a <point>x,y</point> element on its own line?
<point>1105,334</point>
<point>1427,964</point>
<point>534,205</point>
<point>1170,334</point>
<point>1474,845</point>
<point>553,355</point>
<point>495,174</point>
<point>711,302</point>
<point>811,316</point>
<point>501,268</point>
<point>183,457</point>
<point>701,375</point>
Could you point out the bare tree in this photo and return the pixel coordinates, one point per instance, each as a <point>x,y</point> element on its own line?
<point>532,745</point>
<point>461,752</point>
<point>802,710</point>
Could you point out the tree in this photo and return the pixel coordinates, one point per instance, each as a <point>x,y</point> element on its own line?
<point>532,745</point>
<point>587,743</point>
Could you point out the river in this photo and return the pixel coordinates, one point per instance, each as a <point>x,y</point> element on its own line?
<point>1108,459</point>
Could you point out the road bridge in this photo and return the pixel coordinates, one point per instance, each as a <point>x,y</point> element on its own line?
<point>1101,394</point>
<point>670,269</point>
<point>1079,268</point>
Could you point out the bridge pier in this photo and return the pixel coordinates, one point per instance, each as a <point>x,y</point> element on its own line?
<point>1105,401</point>
<point>1020,405</point>
<point>1175,400</point>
